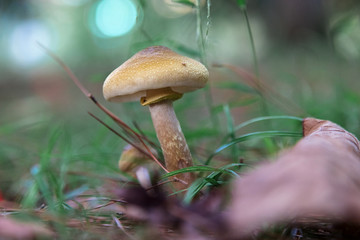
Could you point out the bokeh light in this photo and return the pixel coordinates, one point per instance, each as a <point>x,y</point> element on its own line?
<point>113,18</point>
<point>23,41</point>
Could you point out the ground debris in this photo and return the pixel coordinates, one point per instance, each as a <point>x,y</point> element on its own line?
<point>13,229</point>
<point>170,218</point>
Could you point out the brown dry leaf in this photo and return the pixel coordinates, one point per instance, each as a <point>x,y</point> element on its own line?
<point>318,177</point>
<point>12,229</point>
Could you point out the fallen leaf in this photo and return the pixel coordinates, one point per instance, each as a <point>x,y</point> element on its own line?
<point>12,229</point>
<point>318,177</point>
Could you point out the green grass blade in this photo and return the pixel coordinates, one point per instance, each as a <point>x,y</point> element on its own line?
<point>47,153</point>
<point>229,121</point>
<point>250,136</point>
<point>223,169</point>
<point>189,169</point>
<point>31,196</point>
<point>185,2</point>
<point>230,129</point>
<point>196,187</point>
<point>259,119</point>
<point>43,185</point>
<point>258,134</point>
<point>211,179</point>
<point>76,192</point>
<point>208,20</point>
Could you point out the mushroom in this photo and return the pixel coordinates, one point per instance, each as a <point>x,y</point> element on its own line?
<point>157,76</point>
<point>131,159</point>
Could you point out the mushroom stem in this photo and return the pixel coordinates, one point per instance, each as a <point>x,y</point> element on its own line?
<point>173,144</point>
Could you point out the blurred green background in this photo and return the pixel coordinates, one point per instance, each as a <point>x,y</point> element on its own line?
<point>307,64</point>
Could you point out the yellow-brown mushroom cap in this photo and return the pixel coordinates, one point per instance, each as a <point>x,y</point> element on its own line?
<point>153,68</point>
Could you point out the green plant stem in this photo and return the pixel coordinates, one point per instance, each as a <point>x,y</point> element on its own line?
<point>255,62</point>
<point>200,34</point>
<point>201,44</point>
<point>230,129</point>
<point>253,48</point>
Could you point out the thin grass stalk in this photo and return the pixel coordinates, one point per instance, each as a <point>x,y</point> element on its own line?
<point>231,130</point>
<point>200,34</point>
<point>253,48</point>
<point>201,41</point>
<point>248,136</point>
<point>255,60</point>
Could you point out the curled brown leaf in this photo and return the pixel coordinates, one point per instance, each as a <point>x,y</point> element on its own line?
<point>318,177</point>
